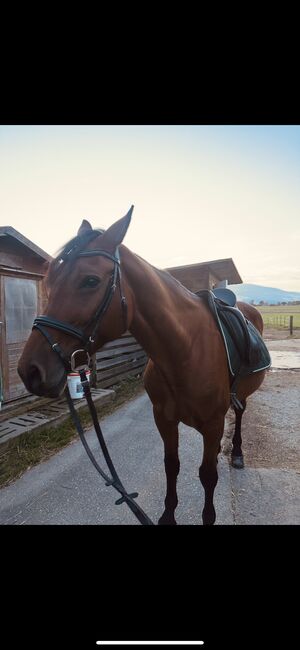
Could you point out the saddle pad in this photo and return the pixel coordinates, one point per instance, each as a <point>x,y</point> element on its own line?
<point>244,357</point>
<point>245,348</point>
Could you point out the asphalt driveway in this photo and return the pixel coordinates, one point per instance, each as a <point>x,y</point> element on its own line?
<point>66,489</point>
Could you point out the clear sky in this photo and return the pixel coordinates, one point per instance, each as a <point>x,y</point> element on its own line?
<point>200,192</point>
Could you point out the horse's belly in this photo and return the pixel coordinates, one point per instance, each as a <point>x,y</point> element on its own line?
<point>248,385</point>
<point>201,404</point>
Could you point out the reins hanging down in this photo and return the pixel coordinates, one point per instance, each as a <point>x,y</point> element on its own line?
<point>114,479</point>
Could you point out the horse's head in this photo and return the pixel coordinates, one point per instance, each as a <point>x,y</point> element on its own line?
<point>88,304</point>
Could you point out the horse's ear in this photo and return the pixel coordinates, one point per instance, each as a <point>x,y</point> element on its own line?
<point>85,227</point>
<point>115,234</point>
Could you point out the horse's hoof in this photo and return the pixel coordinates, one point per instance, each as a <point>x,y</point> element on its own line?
<point>237,462</point>
<point>208,516</point>
<point>167,521</point>
<point>208,521</point>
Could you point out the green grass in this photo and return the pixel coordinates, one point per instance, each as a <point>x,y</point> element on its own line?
<point>278,316</point>
<point>22,453</point>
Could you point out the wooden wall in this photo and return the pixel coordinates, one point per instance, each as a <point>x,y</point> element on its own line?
<point>117,360</point>
<point>15,255</point>
<point>203,279</point>
<point>21,264</point>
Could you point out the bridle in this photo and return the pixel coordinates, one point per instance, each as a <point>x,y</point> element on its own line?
<point>88,334</point>
<point>87,337</point>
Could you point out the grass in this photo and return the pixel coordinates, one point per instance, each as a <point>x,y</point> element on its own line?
<point>278,316</point>
<point>20,454</point>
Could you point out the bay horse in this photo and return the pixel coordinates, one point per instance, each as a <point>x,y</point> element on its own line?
<point>97,290</point>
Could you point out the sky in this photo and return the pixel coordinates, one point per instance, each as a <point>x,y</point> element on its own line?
<point>200,192</point>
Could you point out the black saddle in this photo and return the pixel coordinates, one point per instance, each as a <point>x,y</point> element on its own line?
<point>225,295</point>
<point>245,348</point>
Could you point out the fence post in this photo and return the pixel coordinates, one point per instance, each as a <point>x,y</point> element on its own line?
<point>291,324</point>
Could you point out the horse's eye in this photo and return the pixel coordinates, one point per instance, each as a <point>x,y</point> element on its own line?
<point>90,282</point>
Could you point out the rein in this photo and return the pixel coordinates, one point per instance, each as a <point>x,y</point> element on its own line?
<point>114,479</point>
<point>70,364</point>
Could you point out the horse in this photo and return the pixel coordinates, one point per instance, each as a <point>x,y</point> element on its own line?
<point>98,289</point>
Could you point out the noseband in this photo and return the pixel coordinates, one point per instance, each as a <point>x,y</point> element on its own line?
<point>92,326</point>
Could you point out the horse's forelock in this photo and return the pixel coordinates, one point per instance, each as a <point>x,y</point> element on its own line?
<point>70,250</point>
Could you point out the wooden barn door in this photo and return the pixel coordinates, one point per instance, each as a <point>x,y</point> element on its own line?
<point>19,301</point>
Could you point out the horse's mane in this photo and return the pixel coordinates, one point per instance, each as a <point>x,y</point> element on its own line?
<point>168,278</point>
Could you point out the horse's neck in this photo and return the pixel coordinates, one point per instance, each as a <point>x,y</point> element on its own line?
<point>162,309</point>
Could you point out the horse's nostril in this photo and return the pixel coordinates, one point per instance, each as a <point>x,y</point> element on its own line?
<point>34,378</point>
<point>42,383</point>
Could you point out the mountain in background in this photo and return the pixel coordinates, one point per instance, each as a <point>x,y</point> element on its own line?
<point>256,293</point>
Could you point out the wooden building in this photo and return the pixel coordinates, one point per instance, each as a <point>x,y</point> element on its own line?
<point>22,297</point>
<point>207,275</point>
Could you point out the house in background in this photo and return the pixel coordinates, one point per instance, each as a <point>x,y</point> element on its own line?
<point>22,297</point>
<point>207,275</point>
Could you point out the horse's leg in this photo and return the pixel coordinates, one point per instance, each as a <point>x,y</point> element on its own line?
<point>212,434</point>
<point>237,459</point>
<point>169,433</point>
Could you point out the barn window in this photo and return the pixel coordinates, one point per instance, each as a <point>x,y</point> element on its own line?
<point>20,308</point>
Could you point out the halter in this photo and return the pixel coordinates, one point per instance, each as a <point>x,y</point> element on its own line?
<point>87,339</point>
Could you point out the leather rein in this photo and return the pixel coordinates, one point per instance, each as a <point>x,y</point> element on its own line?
<point>69,363</point>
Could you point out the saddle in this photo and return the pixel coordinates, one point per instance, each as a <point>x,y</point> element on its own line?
<point>245,348</point>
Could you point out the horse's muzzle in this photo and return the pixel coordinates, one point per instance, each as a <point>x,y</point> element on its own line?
<point>34,379</point>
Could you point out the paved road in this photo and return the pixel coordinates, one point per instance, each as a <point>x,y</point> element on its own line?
<point>66,489</point>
